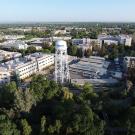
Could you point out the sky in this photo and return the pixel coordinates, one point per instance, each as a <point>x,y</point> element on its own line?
<point>67,11</point>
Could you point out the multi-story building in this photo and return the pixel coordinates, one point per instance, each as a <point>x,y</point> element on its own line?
<point>62,32</point>
<point>129,62</point>
<point>120,39</point>
<point>82,41</point>
<point>86,42</point>
<point>92,67</point>
<point>1,37</point>
<point>126,40</point>
<point>4,76</point>
<point>110,42</point>
<point>18,44</point>
<point>27,66</point>
<point>14,37</point>
<point>66,38</point>
<point>5,55</point>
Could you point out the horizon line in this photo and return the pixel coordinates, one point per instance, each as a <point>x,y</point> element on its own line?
<point>60,22</point>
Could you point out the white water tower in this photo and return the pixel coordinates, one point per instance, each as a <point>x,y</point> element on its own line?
<point>61,62</point>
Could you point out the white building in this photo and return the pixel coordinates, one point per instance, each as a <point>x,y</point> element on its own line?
<point>62,32</point>
<point>4,76</point>
<point>86,42</point>
<point>120,39</point>
<point>27,66</point>
<point>110,42</point>
<point>5,55</point>
<point>126,40</point>
<point>61,38</point>
<point>129,61</point>
<point>14,37</point>
<point>82,41</point>
<point>1,37</point>
<point>90,67</point>
<point>117,75</point>
<point>18,44</point>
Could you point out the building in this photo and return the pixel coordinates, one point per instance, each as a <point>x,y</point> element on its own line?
<point>1,37</point>
<point>120,39</point>
<point>4,76</point>
<point>94,70</point>
<point>110,42</point>
<point>25,29</point>
<point>61,32</point>
<point>86,42</point>
<point>14,37</point>
<point>27,66</point>
<point>82,41</point>
<point>5,55</point>
<point>17,44</point>
<point>39,42</point>
<point>67,38</point>
<point>126,40</point>
<point>91,68</point>
<point>129,62</point>
<point>95,42</point>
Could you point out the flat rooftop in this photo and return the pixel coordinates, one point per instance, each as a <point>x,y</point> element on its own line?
<point>18,62</point>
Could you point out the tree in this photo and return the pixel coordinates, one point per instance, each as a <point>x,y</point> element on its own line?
<point>7,95</point>
<point>88,53</point>
<point>103,51</point>
<point>43,88</point>
<point>43,124</point>
<point>79,52</point>
<point>87,88</point>
<point>67,94</point>
<point>24,100</point>
<point>84,121</point>
<point>31,49</point>
<point>26,128</point>
<point>7,127</point>
<point>73,50</point>
<point>50,108</point>
<point>38,86</point>
<point>58,126</point>
<point>46,51</point>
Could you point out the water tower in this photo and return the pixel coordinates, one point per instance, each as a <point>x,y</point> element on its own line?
<point>61,62</point>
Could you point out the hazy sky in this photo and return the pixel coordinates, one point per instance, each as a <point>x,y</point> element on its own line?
<point>67,10</point>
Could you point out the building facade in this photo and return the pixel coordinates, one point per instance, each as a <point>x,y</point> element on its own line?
<point>29,65</point>
<point>120,39</point>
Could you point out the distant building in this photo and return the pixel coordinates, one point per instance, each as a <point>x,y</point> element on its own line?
<point>26,29</point>
<point>86,42</point>
<point>39,41</point>
<point>1,37</point>
<point>18,44</point>
<point>120,39</point>
<point>4,76</point>
<point>110,42</point>
<point>66,38</point>
<point>5,55</point>
<point>126,40</point>
<point>129,62</point>
<point>14,37</point>
<point>80,42</point>
<point>62,32</point>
